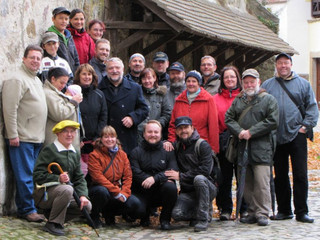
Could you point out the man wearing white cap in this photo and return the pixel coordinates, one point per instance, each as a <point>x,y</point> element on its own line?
<point>51,192</point>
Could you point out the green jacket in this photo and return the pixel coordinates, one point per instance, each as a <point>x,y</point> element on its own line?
<point>69,162</point>
<point>261,120</point>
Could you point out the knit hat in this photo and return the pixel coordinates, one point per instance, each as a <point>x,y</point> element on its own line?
<point>137,55</point>
<point>196,75</point>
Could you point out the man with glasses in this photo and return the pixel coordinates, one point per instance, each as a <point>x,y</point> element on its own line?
<point>25,117</point>
<point>210,79</point>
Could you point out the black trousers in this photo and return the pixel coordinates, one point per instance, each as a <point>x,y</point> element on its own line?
<point>164,195</point>
<point>104,202</point>
<point>224,197</point>
<point>298,151</point>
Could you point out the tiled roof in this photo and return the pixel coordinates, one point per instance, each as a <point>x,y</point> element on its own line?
<point>217,22</point>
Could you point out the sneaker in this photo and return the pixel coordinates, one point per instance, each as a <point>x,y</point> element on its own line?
<point>225,216</point>
<point>244,214</point>
<point>262,221</point>
<point>53,229</point>
<point>249,219</point>
<point>201,226</point>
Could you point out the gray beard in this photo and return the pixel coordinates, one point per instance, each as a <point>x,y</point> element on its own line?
<point>177,84</point>
<point>116,80</point>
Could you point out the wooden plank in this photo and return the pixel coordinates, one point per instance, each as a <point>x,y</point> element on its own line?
<point>237,54</point>
<point>161,14</point>
<point>137,25</point>
<point>260,60</point>
<point>132,39</point>
<point>193,47</point>
<point>158,43</point>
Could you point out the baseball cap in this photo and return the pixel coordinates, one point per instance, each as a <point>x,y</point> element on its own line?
<point>184,120</point>
<point>176,66</point>
<point>250,72</point>
<point>60,10</point>
<point>284,55</point>
<point>160,56</point>
<point>49,37</point>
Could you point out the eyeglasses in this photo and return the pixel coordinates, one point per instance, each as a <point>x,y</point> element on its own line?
<point>207,64</point>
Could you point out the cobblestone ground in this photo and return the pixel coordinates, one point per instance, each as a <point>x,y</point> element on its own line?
<point>13,228</point>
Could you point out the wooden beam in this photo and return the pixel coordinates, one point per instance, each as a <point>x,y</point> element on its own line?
<point>237,54</point>
<point>137,25</point>
<point>158,43</point>
<point>220,50</point>
<point>161,14</point>
<point>260,60</point>
<point>132,39</point>
<point>191,48</point>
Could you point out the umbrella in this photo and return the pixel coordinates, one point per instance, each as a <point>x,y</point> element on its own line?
<point>243,164</point>
<point>273,194</point>
<point>76,198</point>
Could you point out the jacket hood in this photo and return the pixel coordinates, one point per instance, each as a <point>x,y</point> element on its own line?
<point>162,90</point>
<point>193,138</point>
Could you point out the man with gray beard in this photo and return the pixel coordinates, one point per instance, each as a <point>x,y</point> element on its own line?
<point>126,105</point>
<point>253,118</point>
<point>177,83</point>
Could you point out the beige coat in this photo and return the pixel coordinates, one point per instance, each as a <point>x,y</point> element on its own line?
<point>24,106</point>
<point>59,108</point>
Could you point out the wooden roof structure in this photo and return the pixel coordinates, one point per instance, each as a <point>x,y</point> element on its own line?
<point>232,36</point>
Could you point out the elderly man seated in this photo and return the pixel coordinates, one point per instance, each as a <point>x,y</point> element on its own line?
<point>52,193</point>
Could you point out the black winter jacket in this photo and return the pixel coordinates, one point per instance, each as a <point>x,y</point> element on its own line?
<point>189,164</point>
<point>94,112</point>
<point>150,160</point>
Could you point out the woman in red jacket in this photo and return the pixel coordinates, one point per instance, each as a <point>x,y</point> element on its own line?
<point>84,43</point>
<point>199,105</point>
<point>230,87</point>
<point>110,190</point>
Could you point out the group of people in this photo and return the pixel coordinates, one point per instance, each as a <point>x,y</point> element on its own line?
<point>131,143</point>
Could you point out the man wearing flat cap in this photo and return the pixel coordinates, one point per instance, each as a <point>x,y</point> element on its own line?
<point>195,166</point>
<point>160,65</point>
<point>51,192</point>
<point>299,115</point>
<point>252,119</point>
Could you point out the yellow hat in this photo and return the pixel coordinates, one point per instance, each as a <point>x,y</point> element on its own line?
<point>63,124</point>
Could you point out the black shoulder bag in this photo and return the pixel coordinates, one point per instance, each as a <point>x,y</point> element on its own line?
<point>301,108</point>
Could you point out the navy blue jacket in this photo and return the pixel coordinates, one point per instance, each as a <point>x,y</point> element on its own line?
<point>128,101</point>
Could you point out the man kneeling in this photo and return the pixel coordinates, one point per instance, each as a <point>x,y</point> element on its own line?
<point>197,187</point>
<point>52,193</point>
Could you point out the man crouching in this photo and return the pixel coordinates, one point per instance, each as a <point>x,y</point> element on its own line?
<point>194,202</point>
<point>51,192</point>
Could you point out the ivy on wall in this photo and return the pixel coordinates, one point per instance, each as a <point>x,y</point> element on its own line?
<point>270,24</point>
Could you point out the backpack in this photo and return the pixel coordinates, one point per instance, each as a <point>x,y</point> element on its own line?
<point>216,174</point>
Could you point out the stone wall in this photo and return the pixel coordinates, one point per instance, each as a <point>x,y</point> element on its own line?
<point>21,23</point>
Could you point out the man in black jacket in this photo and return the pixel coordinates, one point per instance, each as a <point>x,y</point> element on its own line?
<point>197,187</point>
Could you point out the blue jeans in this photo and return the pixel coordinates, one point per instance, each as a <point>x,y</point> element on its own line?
<point>23,159</point>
